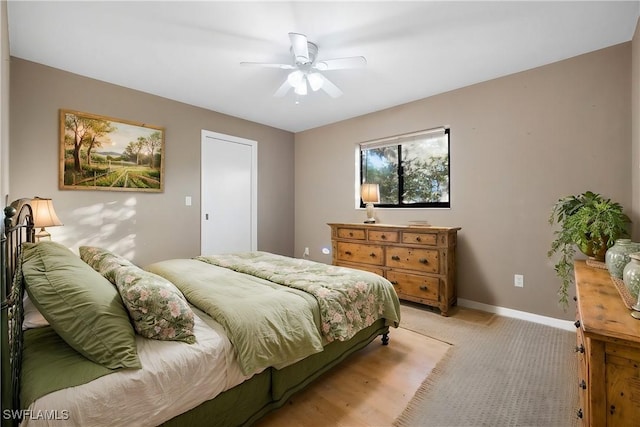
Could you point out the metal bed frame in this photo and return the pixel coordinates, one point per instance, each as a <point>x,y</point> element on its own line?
<point>17,228</point>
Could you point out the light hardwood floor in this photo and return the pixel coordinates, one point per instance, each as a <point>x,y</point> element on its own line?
<point>370,388</point>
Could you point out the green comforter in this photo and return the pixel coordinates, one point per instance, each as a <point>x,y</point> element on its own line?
<point>274,325</point>
<point>269,325</point>
<point>349,300</point>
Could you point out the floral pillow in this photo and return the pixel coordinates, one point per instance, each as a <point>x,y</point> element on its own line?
<point>103,261</point>
<point>158,309</point>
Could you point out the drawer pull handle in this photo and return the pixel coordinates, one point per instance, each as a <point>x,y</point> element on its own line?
<point>347,252</point>
<point>383,237</point>
<point>424,288</point>
<point>612,409</point>
<point>423,261</point>
<point>579,413</point>
<point>580,348</point>
<point>583,385</point>
<point>577,323</point>
<point>350,234</point>
<point>372,255</point>
<point>418,239</point>
<point>395,258</point>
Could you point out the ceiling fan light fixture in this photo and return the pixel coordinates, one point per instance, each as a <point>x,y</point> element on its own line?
<point>301,88</point>
<point>315,81</point>
<point>295,77</point>
<point>305,70</point>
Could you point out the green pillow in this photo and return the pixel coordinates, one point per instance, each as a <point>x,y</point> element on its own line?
<point>81,305</point>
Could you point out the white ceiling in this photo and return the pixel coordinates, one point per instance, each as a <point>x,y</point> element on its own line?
<point>190,51</point>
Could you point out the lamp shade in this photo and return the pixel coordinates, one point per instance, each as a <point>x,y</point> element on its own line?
<point>295,78</point>
<point>43,213</point>
<point>370,193</point>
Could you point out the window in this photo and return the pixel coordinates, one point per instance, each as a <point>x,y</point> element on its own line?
<point>412,170</point>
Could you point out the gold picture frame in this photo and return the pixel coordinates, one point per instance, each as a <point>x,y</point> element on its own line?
<point>103,153</point>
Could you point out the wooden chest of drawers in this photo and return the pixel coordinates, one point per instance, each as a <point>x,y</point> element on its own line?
<point>608,351</point>
<point>420,262</point>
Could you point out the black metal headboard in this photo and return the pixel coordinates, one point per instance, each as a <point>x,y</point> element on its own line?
<point>17,228</point>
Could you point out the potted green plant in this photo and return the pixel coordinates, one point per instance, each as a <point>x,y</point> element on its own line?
<point>589,222</point>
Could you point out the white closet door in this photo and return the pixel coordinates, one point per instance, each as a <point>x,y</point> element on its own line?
<point>229,196</point>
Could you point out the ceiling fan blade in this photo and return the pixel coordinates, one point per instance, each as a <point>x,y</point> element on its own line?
<point>341,63</point>
<point>331,89</point>
<point>299,47</point>
<point>283,89</point>
<point>267,65</point>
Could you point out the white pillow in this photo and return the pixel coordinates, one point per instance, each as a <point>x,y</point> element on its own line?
<point>32,316</point>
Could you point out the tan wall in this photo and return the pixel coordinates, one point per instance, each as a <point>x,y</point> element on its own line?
<point>518,144</point>
<point>635,131</point>
<point>145,226</point>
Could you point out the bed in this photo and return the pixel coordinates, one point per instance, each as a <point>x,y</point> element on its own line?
<point>211,341</point>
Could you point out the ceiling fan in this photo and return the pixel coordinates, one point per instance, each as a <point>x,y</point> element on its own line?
<point>306,68</point>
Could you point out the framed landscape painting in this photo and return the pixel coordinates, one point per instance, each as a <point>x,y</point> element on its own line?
<point>103,153</point>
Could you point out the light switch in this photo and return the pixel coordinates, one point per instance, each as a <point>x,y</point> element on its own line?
<point>187,201</point>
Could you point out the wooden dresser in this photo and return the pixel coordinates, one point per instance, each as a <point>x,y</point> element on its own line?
<point>419,261</point>
<point>608,347</point>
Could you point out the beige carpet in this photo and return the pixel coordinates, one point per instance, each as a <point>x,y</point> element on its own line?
<point>499,372</point>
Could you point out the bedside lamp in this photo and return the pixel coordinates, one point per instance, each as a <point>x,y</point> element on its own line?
<point>44,216</point>
<point>370,194</point>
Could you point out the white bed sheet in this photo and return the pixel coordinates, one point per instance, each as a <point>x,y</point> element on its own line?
<point>175,377</point>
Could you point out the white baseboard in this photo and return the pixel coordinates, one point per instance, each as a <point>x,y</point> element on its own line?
<point>508,312</point>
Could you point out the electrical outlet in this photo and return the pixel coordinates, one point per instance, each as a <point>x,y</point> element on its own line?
<point>518,281</point>
<point>306,252</point>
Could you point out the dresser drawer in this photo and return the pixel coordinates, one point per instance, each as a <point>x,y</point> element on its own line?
<point>426,260</point>
<point>383,236</point>
<point>356,252</point>
<point>428,239</point>
<point>352,233</point>
<point>414,285</point>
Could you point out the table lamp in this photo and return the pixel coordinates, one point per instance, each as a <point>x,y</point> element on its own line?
<point>370,194</point>
<point>44,216</point>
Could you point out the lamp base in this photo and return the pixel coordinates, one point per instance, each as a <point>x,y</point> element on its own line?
<point>42,235</point>
<point>371,219</point>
